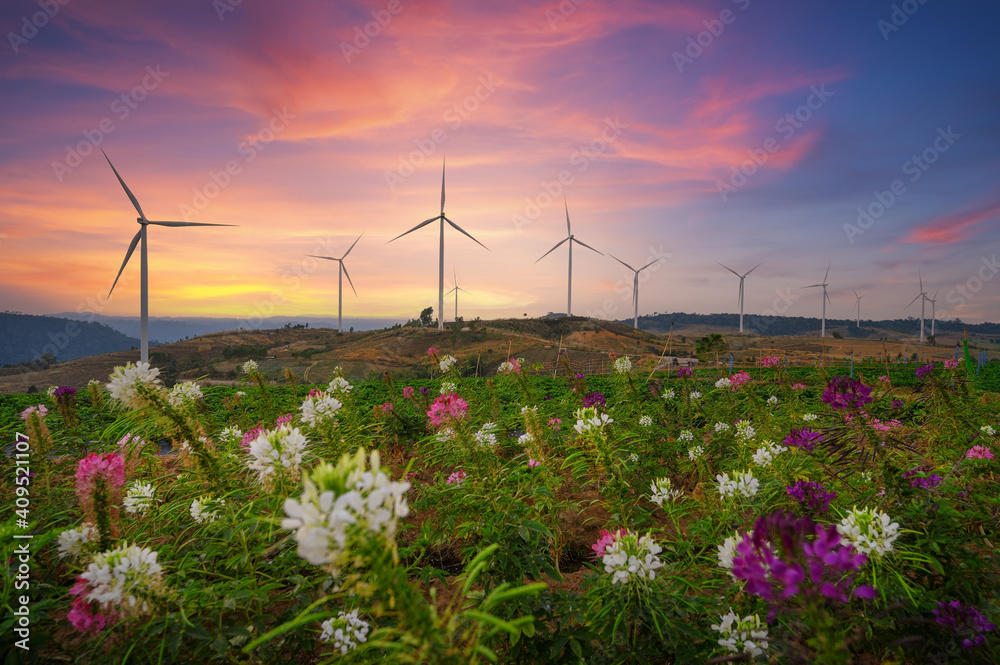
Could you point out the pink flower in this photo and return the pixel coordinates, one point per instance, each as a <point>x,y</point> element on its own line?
<point>770,361</point>
<point>446,409</point>
<point>431,352</point>
<point>554,423</point>
<point>251,435</point>
<point>799,386</point>
<point>387,408</point>
<point>606,539</point>
<point>42,412</point>
<point>951,364</point>
<point>316,392</point>
<point>85,616</point>
<point>884,378</point>
<point>109,468</point>
<point>408,392</point>
<point>284,420</point>
<point>979,452</point>
<point>456,478</point>
<point>532,463</point>
<point>739,379</point>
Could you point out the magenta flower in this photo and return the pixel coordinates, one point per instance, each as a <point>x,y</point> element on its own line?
<point>739,379</point>
<point>85,616</point>
<point>685,372</point>
<point>799,386</point>
<point>924,370</point>
<point>98,488</point>
<point>431,352</point>
<point>951,364</point>
<point>64,391</point>
<point>979,452</point>
<point>811,495</point>
<point>532,463</point>
<point>845,393</point>
<point>456,478</point>
<point>447,409</point>
<point>921,479</point>
<point>42,412</point>
<point>316,392</point>
<point>284,420</point>
<point>554,423</point>
<point>387,408</point>
<point>408,392</point>
<point>770,361</point>
<point>94,468</point>
<point>594,399</point>
<point>803,438</point>
<point>965,620</point>
<point>251,435</point>
<point>606,539</point>
<point>883,379</point>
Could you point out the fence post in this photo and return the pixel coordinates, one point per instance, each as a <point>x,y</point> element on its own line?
<point>730,364</point>
<point>852,364</point>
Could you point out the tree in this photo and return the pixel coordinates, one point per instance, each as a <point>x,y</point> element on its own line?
<point>425,317</point>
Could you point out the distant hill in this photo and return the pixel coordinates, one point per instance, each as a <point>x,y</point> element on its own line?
<point>26,338</point>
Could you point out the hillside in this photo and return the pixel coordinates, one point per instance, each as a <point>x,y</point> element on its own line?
<point>312,354</point>
<point>27,338</point>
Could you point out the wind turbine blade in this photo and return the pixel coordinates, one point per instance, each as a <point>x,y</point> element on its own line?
<point>855,293</point>
<point>442,186</point>
<point>827,271</point>
<point>454,273</point>
<point>623,263</point>
<point>351,247</point>
<point>827,296</point>
<point>328,258</point>
<point>448,293</point>
<point>731,270</point>
<point>128,255</point>
<point>128,191</point>
<point>551,250</point>
<point>812,286</point>
<point>913,301</point>
<point>936,294</point>
<point>919,277</point>
<point>569,231</point>
<point>348,276</point>
<point>418,226</point>
<point>649,264</point>
<point>754,268</point>
<point>187,224</point>
<point>463,232</point>
<point>586,245</point>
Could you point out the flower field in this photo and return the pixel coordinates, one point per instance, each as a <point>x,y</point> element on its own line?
<point>762,516</point>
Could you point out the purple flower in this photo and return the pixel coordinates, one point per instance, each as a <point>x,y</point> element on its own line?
<point>897,404</point>
<point>64,391</point>
<point>425,391</point>
<point>803,438</point>
<point>924,370</point>
<point>921,480</point>
<point>593,399</point>
<point>685,372</point>
<point>811,495</point>
<point>580,376</point>
<point>845,393</point>
<point>965,620</point>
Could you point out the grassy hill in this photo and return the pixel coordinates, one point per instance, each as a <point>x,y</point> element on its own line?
<point>25,338</point>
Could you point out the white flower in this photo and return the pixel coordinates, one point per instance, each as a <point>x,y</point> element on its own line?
<point>632,558</point>
<point>662,490</point>
<point>340,499</point>
<point>646,421</point>
<point>727,550</point>
<point>51,391</point>
<point>277,453</point>
<point>623,365</point>
<point>589,419</point>
<point>486,435</point>
<point>669,394</point>
<point>346,631</point>
<point>448,387</point>
<point>525,439</point>
<point>231,435</point>
<point>249,366</point>
<point>632,457</point>
<point>743,483</point>
<point>686,435</point>
<point>139,498</point>
<point>73,542</point>
<point>205,509</point>
<point>721,427</point>
<point>869,530</point>
<point>125,381</point>
<point>747,634</point>
<point>240,393</point>
<point>745,431</point>
<point>772,400</point>
<point>526,409</point>
<point>182,393</point>
<point>987,430</point>
<point>695,453</point>
<point>319,408</point>
<point>723,383</point>
<point>445,435</point>
<point>339,384</point>
<point>767,452</point>
<point>447,362</point>
<point>124,578</point>
<point>695,395</point>
<point>809,417</point>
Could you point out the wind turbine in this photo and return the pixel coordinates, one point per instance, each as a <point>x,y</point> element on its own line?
<point>933,317</point>
<point>742,277</point>
<point>857,322</point>
<point>340,282</point>
<point>455,226</point>
<point>922,297</point>
<point>569,238</point>
<point>826,298</point>
<point>635,285</point>
<point>456,290</point>
<point>140,236</point>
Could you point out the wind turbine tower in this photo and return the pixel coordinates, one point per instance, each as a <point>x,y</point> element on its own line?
<point>635,286</point>
<point>826,299</point>
<point>742,277</point>
<point>342,270</point>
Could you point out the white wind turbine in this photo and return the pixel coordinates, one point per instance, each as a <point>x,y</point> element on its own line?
<point>857,322</point>
<point>922,297</point>
<point>140,236</point>
<point>826,299</point>
<point>635,286</point>
<point>455,226</point>
<point>742,277</point>
<point>455,291</point>
<point>933,316</point>
<point>340,282</point>
<point>569,238</point>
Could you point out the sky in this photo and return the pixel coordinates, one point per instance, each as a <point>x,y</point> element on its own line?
<point>860,135</point>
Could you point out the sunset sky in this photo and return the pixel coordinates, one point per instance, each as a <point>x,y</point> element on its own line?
<point>642,113</point>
